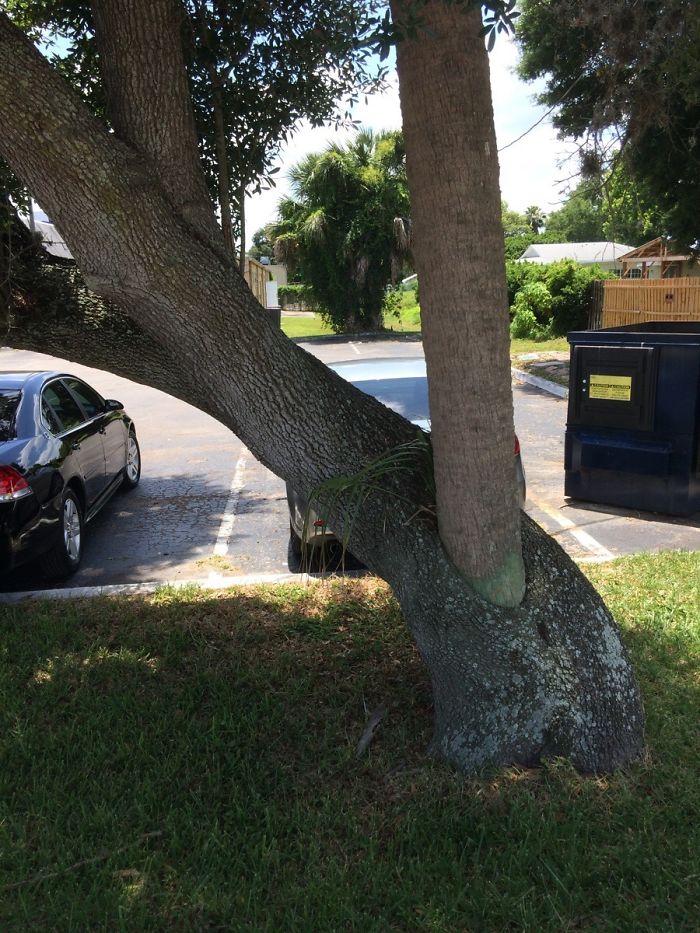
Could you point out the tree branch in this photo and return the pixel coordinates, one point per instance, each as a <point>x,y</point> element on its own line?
<point>148,98</point>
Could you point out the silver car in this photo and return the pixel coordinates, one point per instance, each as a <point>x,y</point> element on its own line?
<point>400,384</point>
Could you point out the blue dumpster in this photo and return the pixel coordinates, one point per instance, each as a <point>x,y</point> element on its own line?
<point>633,425</point>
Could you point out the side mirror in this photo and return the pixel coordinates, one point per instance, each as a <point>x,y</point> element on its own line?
<point>111,404</point>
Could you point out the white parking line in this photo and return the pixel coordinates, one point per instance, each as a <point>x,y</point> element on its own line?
<point>356,349</point>
<point>587,541</point>
<point>223,539</point>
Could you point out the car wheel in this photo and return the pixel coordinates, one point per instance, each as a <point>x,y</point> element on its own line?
<point>65,556</point>
<point>132,470</point>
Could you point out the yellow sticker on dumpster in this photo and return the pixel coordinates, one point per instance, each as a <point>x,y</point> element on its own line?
<point>613,388</point>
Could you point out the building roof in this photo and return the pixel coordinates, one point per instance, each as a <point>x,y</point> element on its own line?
<point>660,248</point>
<point>51,239</point>
<point>585,253</point>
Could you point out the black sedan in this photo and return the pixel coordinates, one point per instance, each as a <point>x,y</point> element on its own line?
<point>64,451</point>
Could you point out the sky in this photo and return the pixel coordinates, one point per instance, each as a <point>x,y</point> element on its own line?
<point>535,170</point>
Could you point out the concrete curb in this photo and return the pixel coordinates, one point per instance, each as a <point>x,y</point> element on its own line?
<point>213,582</point>
<point>552,387</point>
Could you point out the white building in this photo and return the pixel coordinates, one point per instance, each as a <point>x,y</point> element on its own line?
<point>605,255</point>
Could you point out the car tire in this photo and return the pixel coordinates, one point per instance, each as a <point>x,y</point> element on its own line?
<point>132,470</point>
<point>296,545</point>
<point>64,557</point>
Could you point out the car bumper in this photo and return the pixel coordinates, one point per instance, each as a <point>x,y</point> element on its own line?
<point>26,532</point>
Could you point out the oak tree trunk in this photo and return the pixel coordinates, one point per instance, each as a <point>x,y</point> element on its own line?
<point>546,677</point>
<point>222,167</point>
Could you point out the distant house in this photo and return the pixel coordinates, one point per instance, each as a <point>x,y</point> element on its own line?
<point>605,255</point>
<point>51,239</point>
<point>658,259</point>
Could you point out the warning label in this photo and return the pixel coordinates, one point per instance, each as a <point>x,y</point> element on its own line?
<point>613,388</point>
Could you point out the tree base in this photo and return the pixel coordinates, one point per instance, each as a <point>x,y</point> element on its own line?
<point>548,679</point>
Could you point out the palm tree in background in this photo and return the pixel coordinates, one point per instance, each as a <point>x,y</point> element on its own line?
<point>535,218</point>
<point>345,229</point>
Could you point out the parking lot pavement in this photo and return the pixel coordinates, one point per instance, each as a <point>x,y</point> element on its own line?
<point>207,510</point>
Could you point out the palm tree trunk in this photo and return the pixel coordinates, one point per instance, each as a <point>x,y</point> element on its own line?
<point>452,168</point>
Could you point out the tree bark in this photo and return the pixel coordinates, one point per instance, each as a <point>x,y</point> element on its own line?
<point>241,227</point>
<point>222,166</point>
<point>548,677</point>
<point>452,168</point>
<point>156,116</point>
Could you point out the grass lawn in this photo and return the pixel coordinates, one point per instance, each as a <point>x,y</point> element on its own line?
<point>537,346</point>
<point>305,327</point>
<point>186,762</point>
<point>408,322</point>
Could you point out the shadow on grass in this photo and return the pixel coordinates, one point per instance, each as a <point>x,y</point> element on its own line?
<point>187,762</point>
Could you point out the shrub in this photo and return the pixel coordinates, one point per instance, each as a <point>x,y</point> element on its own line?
<point>525,326</point>
<point>519,274</point>
<point>393,302</point>
<point>296,294</point>
<point>568,285</point>
<point>530,312</point>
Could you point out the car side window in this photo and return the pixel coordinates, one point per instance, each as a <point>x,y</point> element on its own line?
<point>63,408</point>
<point>93,404</point>
<point>49,418</point>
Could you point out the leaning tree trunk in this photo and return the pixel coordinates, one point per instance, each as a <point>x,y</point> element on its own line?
<point>549,677</point>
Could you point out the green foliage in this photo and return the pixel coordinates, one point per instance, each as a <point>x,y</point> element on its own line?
<point>630,72</point>
<point>525,325</point>
<point>262,245</point>
<point>516,245</point>
<point>345,495</point>
<point>393,302</point>
<point>514,223</point>
<point>346,231</point>
<point>580,219</point>
<point>265,67</point>
<point>296,294</point>
<point>535,218</point>
<point>564,307</point>
<point>531,312</point>
<point>613,208</point>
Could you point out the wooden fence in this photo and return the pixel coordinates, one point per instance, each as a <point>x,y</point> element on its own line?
<point>257,276</point>
<point>636,302</point>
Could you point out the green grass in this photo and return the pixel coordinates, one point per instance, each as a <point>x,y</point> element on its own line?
<point>186,762</point>
<point>538,346</point>
<point>305,327</point>
<point>408,322</point>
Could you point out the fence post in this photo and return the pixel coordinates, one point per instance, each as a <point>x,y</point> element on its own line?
<point>595,310</point>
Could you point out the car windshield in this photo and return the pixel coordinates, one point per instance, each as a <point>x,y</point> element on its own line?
<point>8,406</point>
<point>407,396</point>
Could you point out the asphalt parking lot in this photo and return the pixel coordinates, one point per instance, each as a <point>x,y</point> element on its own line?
<point>206,511</point>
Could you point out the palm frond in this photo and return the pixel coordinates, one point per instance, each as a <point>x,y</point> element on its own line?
<point>347,494</point>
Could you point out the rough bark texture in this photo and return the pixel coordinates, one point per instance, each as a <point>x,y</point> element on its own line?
<point>154,114</point>
<point>550,677</point>
<point>222,166</point>
<point>452,167</point>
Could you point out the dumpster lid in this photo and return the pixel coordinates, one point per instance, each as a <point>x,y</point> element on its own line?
<point>650,332</point>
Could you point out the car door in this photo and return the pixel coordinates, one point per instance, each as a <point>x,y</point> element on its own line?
<point>82,447</point>
<point>111,425</point>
